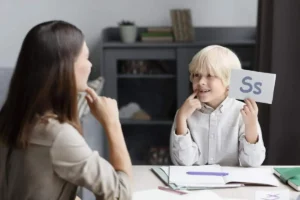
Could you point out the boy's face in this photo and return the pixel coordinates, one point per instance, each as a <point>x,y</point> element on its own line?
<point>210,89</point>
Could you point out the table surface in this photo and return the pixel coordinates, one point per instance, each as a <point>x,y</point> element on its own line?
<point>145,179</point>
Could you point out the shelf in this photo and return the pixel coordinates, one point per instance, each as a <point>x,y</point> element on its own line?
<point>234,36</point>
<point>150,76</point>
<point>161,82</point>
<point>145,122</point>
<point>118,44</point>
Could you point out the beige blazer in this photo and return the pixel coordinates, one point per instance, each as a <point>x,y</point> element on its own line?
<point>57,161</point>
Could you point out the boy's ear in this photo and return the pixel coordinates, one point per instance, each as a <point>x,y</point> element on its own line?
<point>227,90</point>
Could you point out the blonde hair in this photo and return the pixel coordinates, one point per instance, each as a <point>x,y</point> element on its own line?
<point>216,61</point>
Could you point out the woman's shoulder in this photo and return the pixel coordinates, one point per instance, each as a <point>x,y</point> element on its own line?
<point>46,131</point>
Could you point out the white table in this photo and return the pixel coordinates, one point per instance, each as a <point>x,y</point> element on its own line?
<point>145,179</point>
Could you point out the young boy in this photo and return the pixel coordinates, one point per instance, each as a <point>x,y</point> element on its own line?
<point>210,127</point>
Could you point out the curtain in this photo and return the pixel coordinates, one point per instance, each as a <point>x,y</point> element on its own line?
<point>278,51</point>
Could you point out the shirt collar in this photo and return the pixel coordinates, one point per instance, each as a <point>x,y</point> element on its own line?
<point>206,108</point>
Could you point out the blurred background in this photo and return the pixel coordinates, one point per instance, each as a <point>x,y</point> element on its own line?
<point>141,51</point>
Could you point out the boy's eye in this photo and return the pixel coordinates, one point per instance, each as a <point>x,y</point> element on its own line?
<point>196,75</point>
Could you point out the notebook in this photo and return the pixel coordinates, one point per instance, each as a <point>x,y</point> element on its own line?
<point>290,176</point>
<point>236,177</point>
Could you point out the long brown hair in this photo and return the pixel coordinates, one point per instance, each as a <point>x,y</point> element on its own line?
<point>43,81</point>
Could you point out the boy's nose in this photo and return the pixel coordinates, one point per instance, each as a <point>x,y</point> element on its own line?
<point>202,81</point>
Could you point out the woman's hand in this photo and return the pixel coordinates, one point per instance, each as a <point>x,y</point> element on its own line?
<point>104,109</point>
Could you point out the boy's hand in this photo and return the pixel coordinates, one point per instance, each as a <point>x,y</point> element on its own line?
<point>189,106</point>
<point>249,112</point>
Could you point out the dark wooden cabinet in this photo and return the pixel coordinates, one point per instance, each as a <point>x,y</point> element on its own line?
<point>156,77</point>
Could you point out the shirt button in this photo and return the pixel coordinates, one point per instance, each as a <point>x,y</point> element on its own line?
<point>211,159</point>
<point>211,136</point>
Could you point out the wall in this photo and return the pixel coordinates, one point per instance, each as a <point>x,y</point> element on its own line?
<point>17,17</point>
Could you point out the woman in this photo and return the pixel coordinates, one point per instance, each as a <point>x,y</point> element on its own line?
<point>43,154</point>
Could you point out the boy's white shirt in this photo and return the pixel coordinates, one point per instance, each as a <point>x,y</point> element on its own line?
<point>217,137</point>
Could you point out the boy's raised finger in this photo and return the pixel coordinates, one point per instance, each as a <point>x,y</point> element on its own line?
<point>192,96</point>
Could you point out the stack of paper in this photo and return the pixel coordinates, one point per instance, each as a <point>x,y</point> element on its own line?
<point>215,176</point>
<point>251,176</point>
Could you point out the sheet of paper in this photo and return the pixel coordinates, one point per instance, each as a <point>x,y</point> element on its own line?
<point>165,195</point>
<point>179,176</point>
<point>233,199</point>
<point>251,84</point>
<point>262,176</point>
<point>154,194</point>
<point>204,194</point>
<point>165,169</point>
<point>272,195</point>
